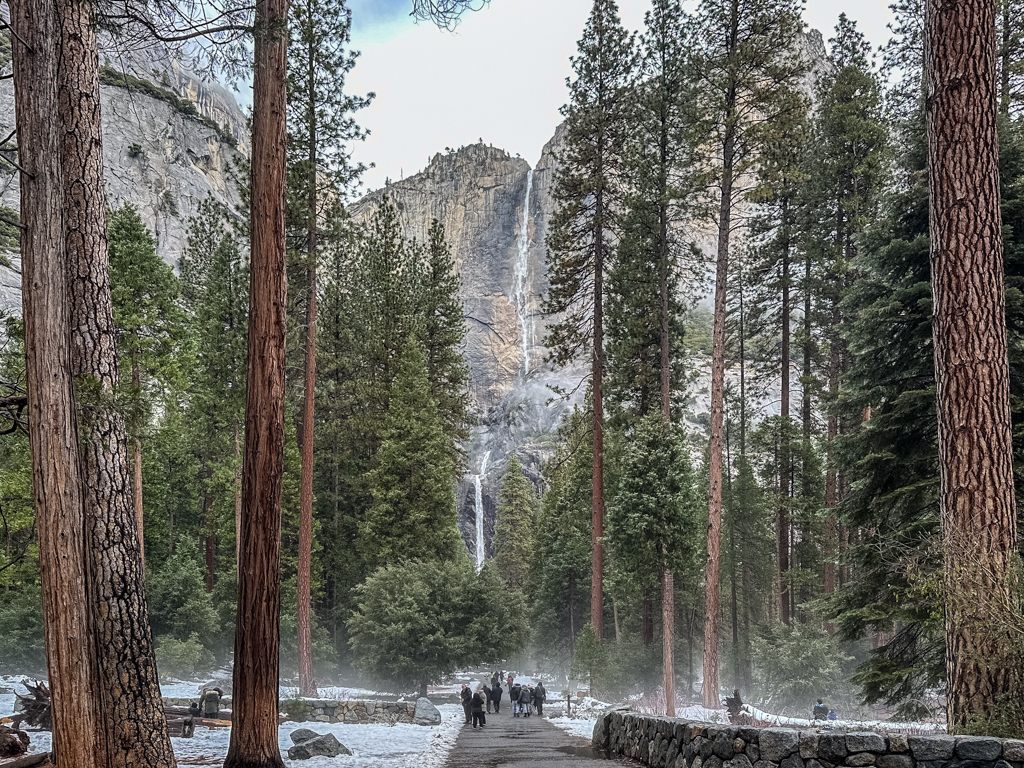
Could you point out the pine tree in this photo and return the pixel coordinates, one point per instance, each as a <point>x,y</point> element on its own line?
<point>147,321</point>
<point>412,513</point>
<point>652,514</point>
<point>514,553</point>
<point>979,528</point>
<point>321,129</point>
<point>746,58</point>
<point>589,191</point>
<point>443,333</point>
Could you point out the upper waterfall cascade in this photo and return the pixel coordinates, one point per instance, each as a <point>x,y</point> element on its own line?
<point>481,550</point>
<point>520,288</point>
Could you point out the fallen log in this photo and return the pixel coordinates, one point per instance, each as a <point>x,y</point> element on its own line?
<point>26,761</point>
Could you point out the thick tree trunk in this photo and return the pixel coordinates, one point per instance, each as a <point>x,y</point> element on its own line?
<point>254,739</point>
<point>78,737</point>
<point>134,722</point>
<point>712,571</point>
<point>976,491</point>
<point>238,500</point>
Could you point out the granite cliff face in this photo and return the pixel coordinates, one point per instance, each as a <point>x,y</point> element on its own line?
<point>496,211</point>
<point>164,159</point>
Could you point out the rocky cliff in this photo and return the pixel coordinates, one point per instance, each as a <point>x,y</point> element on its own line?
<point>496,211</point>
<point>169,142</point>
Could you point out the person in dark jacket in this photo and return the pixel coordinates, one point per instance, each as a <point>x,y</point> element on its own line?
<point>513,697</point>
<point>820,710</point>
<point>479,718</point>
<point>209,702</point>
<point>496,692</point>
<point>539,696</point>
<point>495,679</point>
<point>467,702</point>
<point>487,698</point>
<point>526,700</point>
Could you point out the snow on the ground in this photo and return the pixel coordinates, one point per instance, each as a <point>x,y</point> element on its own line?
<point>576,726</point>
<point>844,725</point>
<point>373,746</point>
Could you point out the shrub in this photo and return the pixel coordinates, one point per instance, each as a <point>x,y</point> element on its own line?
<point>794,665</point>
<point>183,659</point>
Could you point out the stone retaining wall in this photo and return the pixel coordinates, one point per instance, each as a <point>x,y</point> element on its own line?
<point>661,742</point>
<point>362,711</point>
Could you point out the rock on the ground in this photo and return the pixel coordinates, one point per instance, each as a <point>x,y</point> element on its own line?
<point>12,742</point>
<point>326,745</point>
<point>426,713</point>
<point>300,735</point>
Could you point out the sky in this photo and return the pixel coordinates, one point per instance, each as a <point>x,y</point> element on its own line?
<point>500,76</point>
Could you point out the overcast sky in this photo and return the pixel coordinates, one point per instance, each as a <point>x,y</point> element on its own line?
<point>500,76</point>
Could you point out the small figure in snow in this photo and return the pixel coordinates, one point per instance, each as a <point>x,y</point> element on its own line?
<point>820,710</point>
<point>467,702</point>
<point>513,696</point>
<point>833,715</point>
<point>209,702</point>
<point>539,696</point>
<point>477,705</point>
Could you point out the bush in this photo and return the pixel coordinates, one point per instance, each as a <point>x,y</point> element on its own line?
<point>795,665</point>
<point>183,659</point>
<point>180,606</point>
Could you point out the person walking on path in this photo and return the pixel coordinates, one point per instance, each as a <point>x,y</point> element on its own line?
<point>496,698</point>
<point>513,697</point>
<point>525,700</point>
<point>478,710</point>
<point>495,679</point>
<point>467,702</point>
<point>487,698</point>
<point>539,696</point>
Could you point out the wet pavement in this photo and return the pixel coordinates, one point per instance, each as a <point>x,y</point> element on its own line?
<point>524,742</point>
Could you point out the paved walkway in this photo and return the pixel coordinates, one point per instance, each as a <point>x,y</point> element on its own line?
<point>523,742</point>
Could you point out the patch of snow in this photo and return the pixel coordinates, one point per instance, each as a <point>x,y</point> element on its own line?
<point>576,726</point>
<point>844,725</point>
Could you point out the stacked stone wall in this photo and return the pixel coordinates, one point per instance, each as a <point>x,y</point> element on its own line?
<point>661,742</point>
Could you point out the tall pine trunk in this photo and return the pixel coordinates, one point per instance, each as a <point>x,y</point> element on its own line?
<point>254,735</point>
<point>597,384</point>
<point>307,684</point>
<point>783,517</point>
<point>976,492</point>
<point>712,572</point>
<point>78,738</point>
<point>133,715</point>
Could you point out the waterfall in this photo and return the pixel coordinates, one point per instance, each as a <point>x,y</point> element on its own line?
<point>481,551</point>
<point>520,289</point>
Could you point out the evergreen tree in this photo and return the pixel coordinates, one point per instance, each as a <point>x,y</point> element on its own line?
<point>514,553</point>
<point>745,59</point>
<point>589,193</point>
<point>412,513</point>
<point>443,333</point>
<point>652,514</point>
<point>147,322</point>
<point>321,130</point>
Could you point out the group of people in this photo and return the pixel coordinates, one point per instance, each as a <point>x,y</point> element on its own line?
<point>823,711</point>
<point>524,698</point>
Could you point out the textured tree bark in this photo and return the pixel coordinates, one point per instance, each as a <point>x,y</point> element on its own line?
<point>78,738</point>
<point>976,492</point>
<point>133,716</point>
<point>254,741</point>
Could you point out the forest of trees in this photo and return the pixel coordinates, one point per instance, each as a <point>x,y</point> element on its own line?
<point>273,429</point>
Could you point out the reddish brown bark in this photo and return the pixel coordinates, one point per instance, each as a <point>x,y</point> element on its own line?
<point>133,716</point>
<point>976,492</point>
<point>668,619</point>
<point>597,390</point>
<point>254,739</point>
<point>78,736</point>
